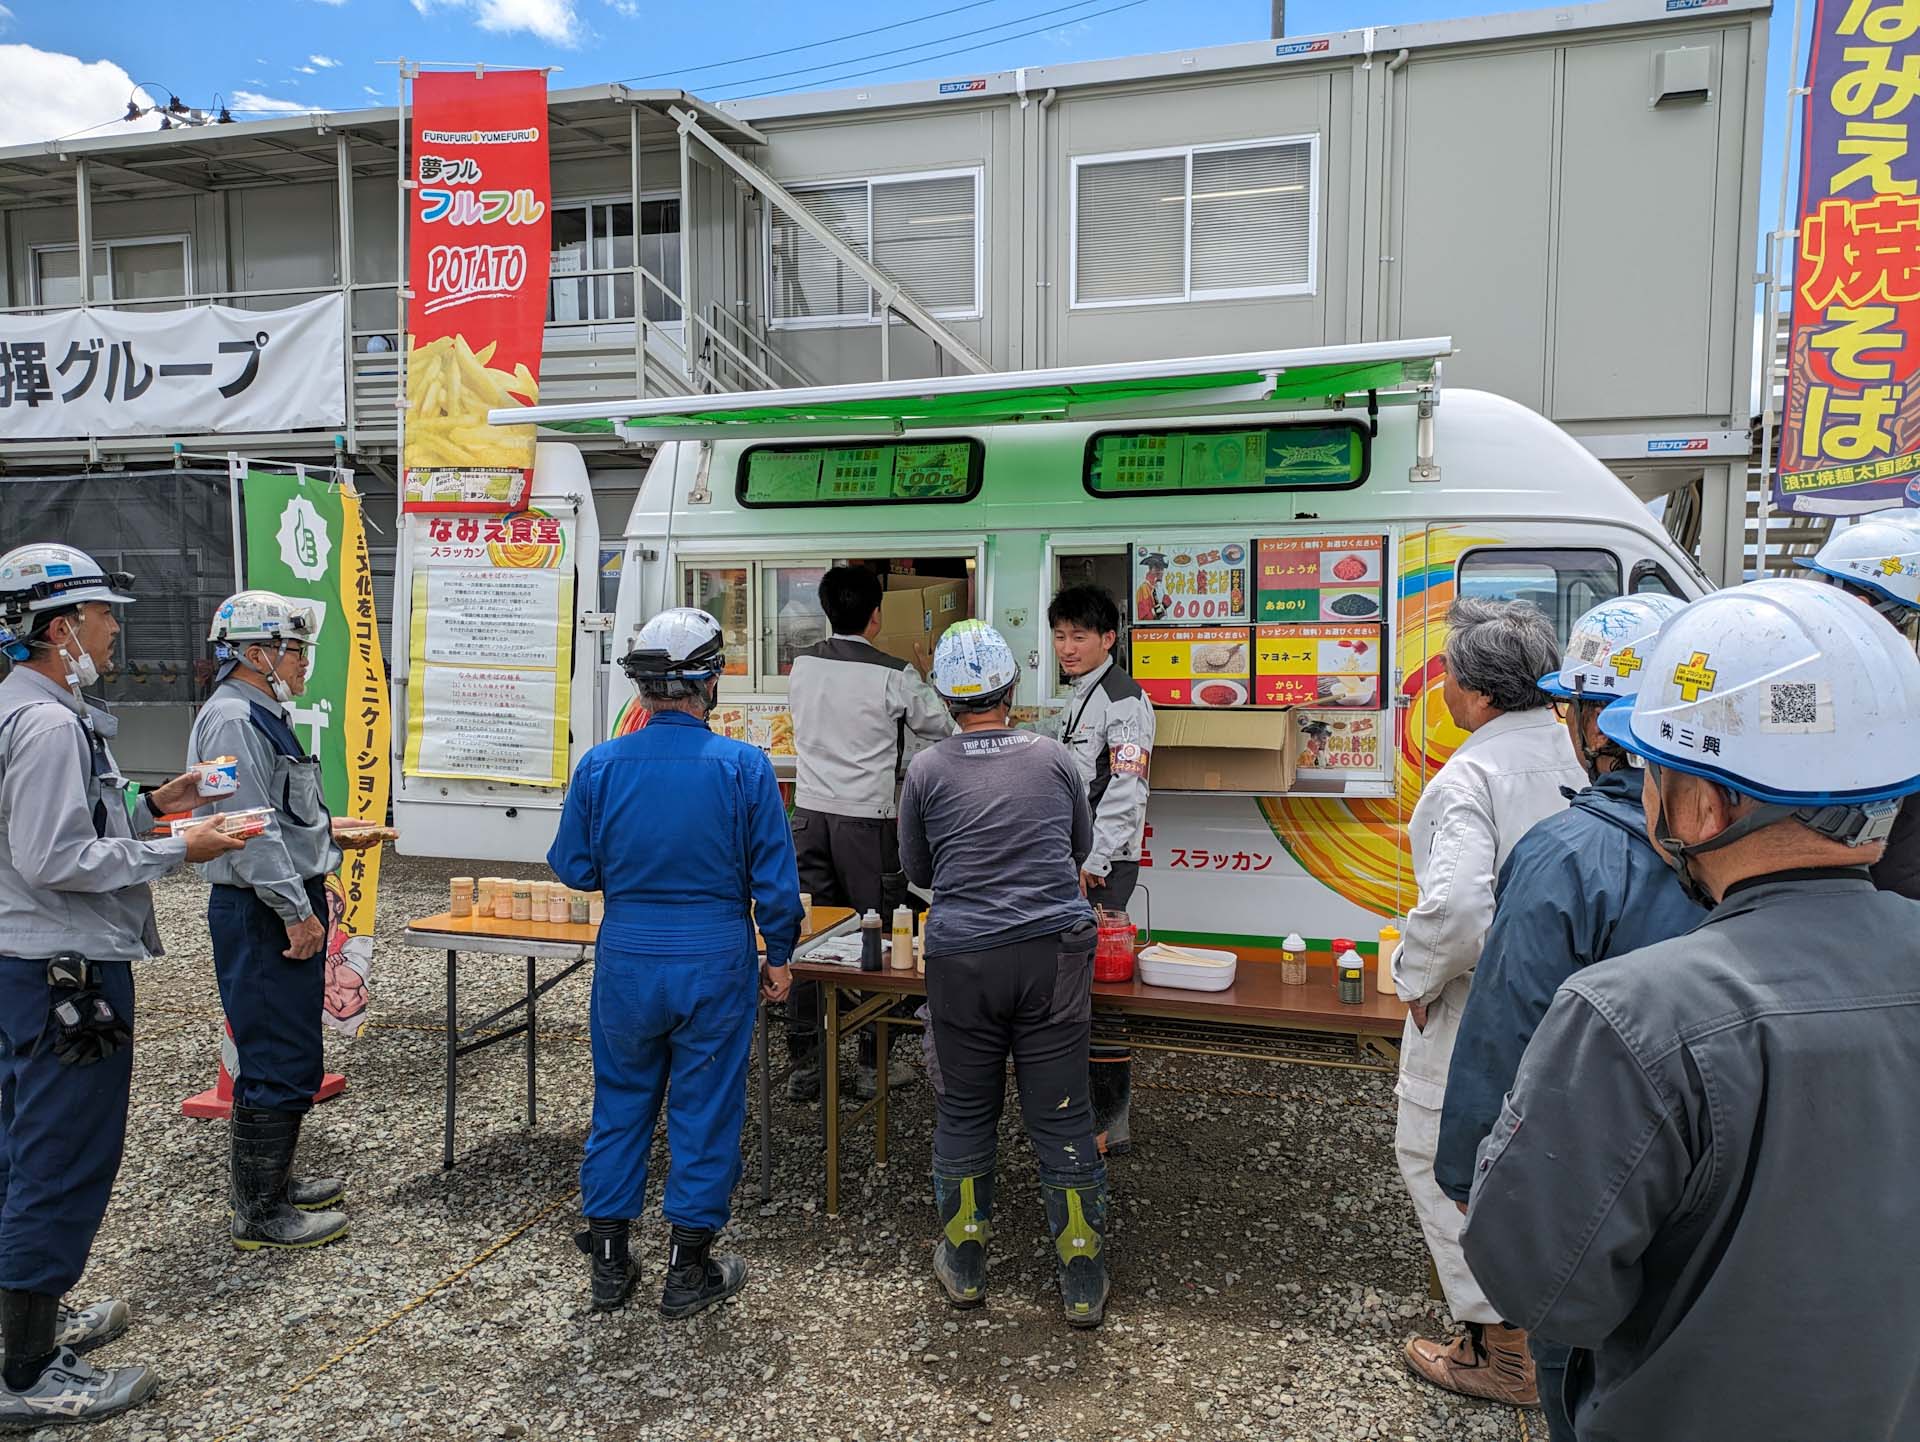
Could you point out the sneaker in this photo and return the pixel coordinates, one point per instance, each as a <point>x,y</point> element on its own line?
<point>93,1326</point>
<point>70,1390</point>
<point>696,1279</point>
<point>1487,1361</point>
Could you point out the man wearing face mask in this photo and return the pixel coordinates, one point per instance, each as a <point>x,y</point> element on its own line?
<point>1705,1168</point>
<point>75,913</point>
<point>267,913</point>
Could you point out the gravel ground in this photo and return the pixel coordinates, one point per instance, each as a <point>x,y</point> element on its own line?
<point>1267,1264</point>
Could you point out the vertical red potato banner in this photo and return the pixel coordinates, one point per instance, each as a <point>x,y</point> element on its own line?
<point>478,245</point>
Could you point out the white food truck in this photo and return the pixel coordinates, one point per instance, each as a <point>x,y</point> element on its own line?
<point>1284,532</point>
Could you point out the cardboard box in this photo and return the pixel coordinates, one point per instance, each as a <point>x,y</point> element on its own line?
<point>915,610</point>
<point>1201,666</point>
<point>1307,579</point>
<point>1191,583</point>
<point>1317,666</point>
<point>1225,751</point>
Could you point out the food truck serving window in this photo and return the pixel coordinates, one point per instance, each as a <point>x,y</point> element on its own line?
<point>883,473</point>
<point>1323,456</point>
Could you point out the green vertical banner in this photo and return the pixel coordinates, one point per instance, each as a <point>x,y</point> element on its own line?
<point>304,539</point>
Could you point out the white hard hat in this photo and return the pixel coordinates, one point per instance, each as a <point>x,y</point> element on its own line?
<point>49,577</point>
<point>973,664</point>
<point>1787,691</point>
<point>1606,655</point>
<point>263,616</point>
<point>1880,555</point>
<point>680,644</point>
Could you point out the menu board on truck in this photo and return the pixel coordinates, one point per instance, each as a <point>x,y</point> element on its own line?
<point>1190,582</point>
<point>1197,666</point>
<point>1306,579</point>
<point>1339,741</point>
<point>1316,666</point>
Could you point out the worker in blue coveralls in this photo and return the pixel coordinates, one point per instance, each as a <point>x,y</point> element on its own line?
<point>75,914</point>
<point>686,834</point>
<point>1583,885</point>
<point>267,913</point>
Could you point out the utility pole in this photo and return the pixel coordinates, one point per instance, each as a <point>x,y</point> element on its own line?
<point>1279,18</point>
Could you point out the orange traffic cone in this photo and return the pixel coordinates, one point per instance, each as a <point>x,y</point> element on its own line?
<point>216,1102</point>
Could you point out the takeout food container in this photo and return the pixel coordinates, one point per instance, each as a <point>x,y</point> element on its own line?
<point>1190,968</point>
<point>235,823</point>
<point>218,777</point>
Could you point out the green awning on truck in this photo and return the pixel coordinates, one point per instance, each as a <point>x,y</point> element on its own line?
<point>1319,376</point>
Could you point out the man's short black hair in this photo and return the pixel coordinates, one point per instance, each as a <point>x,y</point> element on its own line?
<point>1088,607</point>
<point>849,595</point>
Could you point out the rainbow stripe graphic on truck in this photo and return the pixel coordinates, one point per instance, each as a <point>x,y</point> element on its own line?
<point>1358,848</point>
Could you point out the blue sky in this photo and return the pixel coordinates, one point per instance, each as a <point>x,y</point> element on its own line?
<point>67,64</point>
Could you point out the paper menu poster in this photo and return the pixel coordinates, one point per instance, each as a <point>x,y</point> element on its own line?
<point>1317,666</point>
<point>1190,582</point>
<point>1308,579</point>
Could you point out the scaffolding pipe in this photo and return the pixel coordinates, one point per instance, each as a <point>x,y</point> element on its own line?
<point>83,226</point>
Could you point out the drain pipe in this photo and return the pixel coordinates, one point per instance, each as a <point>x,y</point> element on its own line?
<point>1041,283</point>
<point>1386,198</point>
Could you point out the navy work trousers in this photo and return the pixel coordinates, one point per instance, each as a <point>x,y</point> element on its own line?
<point>64,1129</point>
<point>272,1001</point>
<point>677,1029</point>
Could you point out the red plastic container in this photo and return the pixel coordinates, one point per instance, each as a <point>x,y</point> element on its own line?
<point>1113,953</point>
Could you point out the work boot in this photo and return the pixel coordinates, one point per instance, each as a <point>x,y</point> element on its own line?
<point>1110,1077</point>
<point>966,1226</point>
<point>263,1141</point>
<point>88,1327</point>
<point>697,1280</point>
<point>48,1384</point>
<point>1077,1217</point>
<point>1489,1361</point>
<point>803,1080</point>
<point>614,1271</point>
<point>313,1194</point>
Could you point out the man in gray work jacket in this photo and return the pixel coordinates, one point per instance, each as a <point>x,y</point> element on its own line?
<point>853,706</point>
<point>75,914</point>
<point>268,914</point>
<point>1108,726</point>
<point>1705,1172</point>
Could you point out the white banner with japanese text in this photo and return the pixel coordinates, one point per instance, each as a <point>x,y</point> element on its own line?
<point>199,371</point>
<point>490,647</point>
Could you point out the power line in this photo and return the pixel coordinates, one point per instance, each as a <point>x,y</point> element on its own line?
<point>810,45</point>
<point>921,45</point>
<point>962,50</point>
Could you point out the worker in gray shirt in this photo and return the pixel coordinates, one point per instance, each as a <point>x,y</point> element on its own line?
<point>267,912</point>
<point>996,822</point>
<point>75,913</point>
<point>1705,1171</point>
<point>853,705</point>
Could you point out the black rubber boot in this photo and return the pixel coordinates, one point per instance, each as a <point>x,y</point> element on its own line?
<point>263,1141</point>
<point>614,1273</point>
<point>696,1279</point>
<point>1110,1077</point>
<point>803,1080</point>
<point>313,1194</point>
<point>1077,1217</point>
<point>966,1226</point>
<point>45,1384</point>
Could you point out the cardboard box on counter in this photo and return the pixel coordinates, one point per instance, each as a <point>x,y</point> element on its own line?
<point>1257,751</point>
<point>914,610</point>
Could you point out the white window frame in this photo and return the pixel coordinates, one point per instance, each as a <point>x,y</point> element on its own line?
<point>590,203</point>
<point>1188,294</point>
<point>843,322</point>
<point>182,238</point>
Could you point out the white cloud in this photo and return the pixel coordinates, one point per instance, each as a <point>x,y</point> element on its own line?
<point>371,91</point>
<point>334,3</point>
<point>6,17</point>
<point>626,9</point>
<point>254,103</point>
<point>325,62</point>
<point>304,70</point>
<point>49,95</point>
<point>555,21</point>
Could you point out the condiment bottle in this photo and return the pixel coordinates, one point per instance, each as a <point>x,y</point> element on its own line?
<point>578,908</point>
<point>596,907</point>
<point>502,899</point>
<point>920,948</point>
<point>1340,947</point>
<point>1351,971</point>
<point>536,901</point>
<point>870,941</point>
<point>522,901</point>
<point>484,905</point>
<point>460,894</point>
<point>902,956</point>
<point>806,913</point>
<point>1293,960</point>
<point>1383,964</point>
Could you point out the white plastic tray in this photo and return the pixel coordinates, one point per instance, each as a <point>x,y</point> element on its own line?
<point>1215,973</point>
